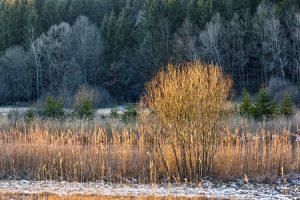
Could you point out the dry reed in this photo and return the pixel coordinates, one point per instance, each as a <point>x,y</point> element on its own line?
<point>101,153</point>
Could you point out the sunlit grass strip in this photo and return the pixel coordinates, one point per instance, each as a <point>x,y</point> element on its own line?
<point>118,155</point>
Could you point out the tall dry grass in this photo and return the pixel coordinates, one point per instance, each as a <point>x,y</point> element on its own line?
<point>261,155</point>
<point>42,152</point>
<point>87,153</point>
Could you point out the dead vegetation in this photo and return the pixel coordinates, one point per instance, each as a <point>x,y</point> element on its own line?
<point>99,153</point>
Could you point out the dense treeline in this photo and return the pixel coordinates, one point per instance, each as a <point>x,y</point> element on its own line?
<point>54,46</point>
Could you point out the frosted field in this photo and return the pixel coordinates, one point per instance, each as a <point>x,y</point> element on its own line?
<point>4,111</point>
<point>234,190</point>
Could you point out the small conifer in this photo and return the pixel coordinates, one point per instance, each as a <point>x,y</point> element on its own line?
<point>263,107</point>
<point>245,108</point>
<point>286,107</point>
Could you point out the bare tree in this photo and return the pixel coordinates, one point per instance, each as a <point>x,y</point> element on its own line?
<point>54,55</point>
<point>34,52</point>
<point>86,47</point>
<point>155,49</point>
<point>263,12</point>
<point>297,28</point>
<point>186,44</point>
<point>211,40</point>
<point>235,49</point>
<point>275,46</point>
<point>296,40</point>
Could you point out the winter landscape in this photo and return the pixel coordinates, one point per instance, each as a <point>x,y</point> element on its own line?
<point>149,99</point>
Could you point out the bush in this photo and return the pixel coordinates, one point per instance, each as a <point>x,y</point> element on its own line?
<point>114,113</point>
<point>98,96</point>
<point>286,107</point>
<point>53,108</point>
<point>130,113</point>
<point>85,109</point>
<point>263,107</point>
<point>188,103</point>
<point>246,106</point>
<point>67,96</point>
<point>29,116</point>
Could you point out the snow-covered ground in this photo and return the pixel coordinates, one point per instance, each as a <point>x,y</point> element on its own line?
<point>233,190</point>
<point>4,111</point>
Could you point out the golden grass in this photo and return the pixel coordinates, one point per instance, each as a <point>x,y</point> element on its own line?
<point>84,154</point>
<point>260,156</point>
<point>101,153</point>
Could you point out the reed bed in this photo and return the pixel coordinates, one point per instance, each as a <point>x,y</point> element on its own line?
<point>261,156</point>
<point>102,152</point>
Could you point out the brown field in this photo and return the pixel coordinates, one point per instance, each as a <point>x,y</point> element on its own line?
<point>91,151</point>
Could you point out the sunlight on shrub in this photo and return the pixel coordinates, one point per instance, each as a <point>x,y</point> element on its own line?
<point>98,96</point>
<point>188,103</point>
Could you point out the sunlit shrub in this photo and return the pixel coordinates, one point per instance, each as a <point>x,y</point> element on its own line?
<point>188,102</point>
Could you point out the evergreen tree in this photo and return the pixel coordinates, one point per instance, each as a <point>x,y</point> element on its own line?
<point>175,12</point>
<point>109,36</point>
<point>85,109</point>
<point>286,107</point>
<point>53,108</point>
<point>263,107</point>
<point>246,107</point>
<point>12,23</point>
<point>206,12</point>
<point>53,13</point>
<point>192,11</point>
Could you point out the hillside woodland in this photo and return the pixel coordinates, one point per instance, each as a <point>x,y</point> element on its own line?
<point>115,46</point>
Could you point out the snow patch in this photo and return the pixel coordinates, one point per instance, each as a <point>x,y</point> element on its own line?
<point>234,190</point>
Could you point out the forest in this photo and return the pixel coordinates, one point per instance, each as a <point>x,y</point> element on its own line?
<point>115,46</point>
